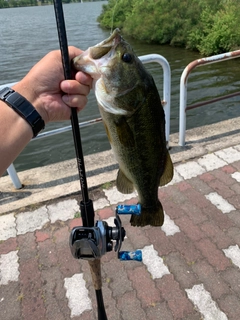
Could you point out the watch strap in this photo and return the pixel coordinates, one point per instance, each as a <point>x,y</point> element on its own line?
<point>24,108</point>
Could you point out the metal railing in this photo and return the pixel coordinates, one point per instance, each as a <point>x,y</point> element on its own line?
<point>166,101</point>
<point>183,89</point>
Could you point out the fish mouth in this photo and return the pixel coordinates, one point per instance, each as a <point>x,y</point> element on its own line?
<point>94,57</point>
<point>105,46</point>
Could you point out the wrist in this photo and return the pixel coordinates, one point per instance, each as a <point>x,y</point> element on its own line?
<point>23,108</point>
<point>29,93</point>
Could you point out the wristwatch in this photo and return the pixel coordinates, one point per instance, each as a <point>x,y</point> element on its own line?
<point>24,108</point>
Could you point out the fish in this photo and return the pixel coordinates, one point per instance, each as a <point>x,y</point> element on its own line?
<point>134,119</point>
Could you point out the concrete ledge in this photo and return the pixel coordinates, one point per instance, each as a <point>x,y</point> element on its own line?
<point>61,179</point>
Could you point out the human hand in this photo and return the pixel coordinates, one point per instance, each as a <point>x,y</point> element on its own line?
<point>52,96</point>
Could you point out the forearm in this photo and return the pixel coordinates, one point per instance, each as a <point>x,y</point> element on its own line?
<point>15,133</point>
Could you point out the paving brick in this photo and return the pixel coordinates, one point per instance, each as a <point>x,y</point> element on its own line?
<point>234,234</point>
<point>7,226</point>
<point>176,299</point>
<point>230,306</point>
<point>219,237</point>
<point>235,201</point>
<point>47,254</point>
<point>206,177</point>
<point>130,306</point>
<point>8,245</point>
<point>217,217</point>
<point>147,297</point>
<point>27,246</point>
<point>172,209</point>
<point>106,213</point>
<point>116,277</point>
<point>77,222</point>
<point>236,165</point>
<point>212,282</point>
<point>200,185</point>
<point>31,290</point>
<point>235,187</point>
<point>221,188</point>
<point>224,176</point>
<point>159,311</point>
<point>186,247</point>
<point>136,236</point>
<point>176,196</point>
<point>194,213</point>
<point>190,169</point>
<point>42,235</point>
<point>211,162</point>
<point>191,230</point>
<point>54,294</point>
<point>67,264</point>
<point>214,256</point>
<point>10,301</point>
<point>183,186</point>
<point>160,242</point>
<point>61,235</point>
<point>229,169</point>
<point>196,198</point>
<point>181,269</point>
<point>232,278</point>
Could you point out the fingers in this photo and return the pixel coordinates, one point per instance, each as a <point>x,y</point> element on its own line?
<point>76,93</point>
<point>75,101</point>
<point>84,78</point>
<point>74,87</point>
<point>73,52</point>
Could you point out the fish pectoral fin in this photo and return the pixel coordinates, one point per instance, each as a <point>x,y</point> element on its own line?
<point>168,171</point>
<point>124,185</point>
<point>124,132</point>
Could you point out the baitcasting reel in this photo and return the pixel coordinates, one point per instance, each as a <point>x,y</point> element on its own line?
<point>91,243</point>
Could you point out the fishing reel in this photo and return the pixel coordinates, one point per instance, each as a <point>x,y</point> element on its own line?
<point>91,243</point>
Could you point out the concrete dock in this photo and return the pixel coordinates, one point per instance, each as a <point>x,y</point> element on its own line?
<point>191,265</point>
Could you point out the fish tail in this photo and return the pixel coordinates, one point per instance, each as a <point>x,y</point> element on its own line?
<point>153,216</point>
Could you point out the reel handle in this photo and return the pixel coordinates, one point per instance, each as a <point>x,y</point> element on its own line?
<point>129,209</point>
<point>130,255</point>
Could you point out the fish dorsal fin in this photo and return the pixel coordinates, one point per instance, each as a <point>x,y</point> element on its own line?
<point>168,171</point>
<point>124,185</point>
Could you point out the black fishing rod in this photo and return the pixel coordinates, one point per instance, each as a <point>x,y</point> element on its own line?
<point>86,205</point>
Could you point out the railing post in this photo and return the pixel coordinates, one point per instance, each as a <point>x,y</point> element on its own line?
<point>183,86</point>
<point>14,177</point>
<point>182,107</point>
<point>166,85</point>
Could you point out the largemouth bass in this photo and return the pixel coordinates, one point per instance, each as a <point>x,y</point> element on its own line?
<point>134,120</point>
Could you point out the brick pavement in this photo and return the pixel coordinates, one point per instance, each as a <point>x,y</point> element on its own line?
<point>190,268</point>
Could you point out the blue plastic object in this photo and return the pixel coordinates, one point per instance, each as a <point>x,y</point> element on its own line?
<point>130,255</point>
<point>129,209</point>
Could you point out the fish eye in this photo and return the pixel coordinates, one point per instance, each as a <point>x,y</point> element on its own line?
<point>127,57</point>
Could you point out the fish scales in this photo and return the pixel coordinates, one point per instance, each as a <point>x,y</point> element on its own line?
<point>134,120</point>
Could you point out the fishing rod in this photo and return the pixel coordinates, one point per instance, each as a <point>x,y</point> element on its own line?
<point>86,205</point>
<point>90,242</point>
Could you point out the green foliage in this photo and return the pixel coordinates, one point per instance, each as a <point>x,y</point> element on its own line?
<point>209,26</point>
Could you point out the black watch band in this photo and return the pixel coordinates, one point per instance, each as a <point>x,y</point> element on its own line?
<point>24,108</point>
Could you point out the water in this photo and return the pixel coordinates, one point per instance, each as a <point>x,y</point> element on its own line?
<point>27,34</point>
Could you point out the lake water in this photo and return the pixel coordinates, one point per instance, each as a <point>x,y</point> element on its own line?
<point>27,34</point>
